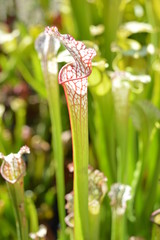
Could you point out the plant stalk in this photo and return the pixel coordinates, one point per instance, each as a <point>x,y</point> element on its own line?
<point>118,225</point>
<point>16,192</point>
<point>80,8</point>
<point>54,108</point>
<point>80,156</point>
<point>121,101</point>
<point>155,233</point>
<point>111,19</point>
<point>155,218</point>
<point>79,126</point>
<point>32,214</point>
<point>94,224</point>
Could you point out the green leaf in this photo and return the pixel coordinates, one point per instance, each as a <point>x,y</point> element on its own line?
<point>145,115</point>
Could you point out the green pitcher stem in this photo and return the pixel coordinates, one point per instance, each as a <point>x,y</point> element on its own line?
<point>156,232</point>
<point>16,192</point>
<point>118,224</point>
<point>79,127</point>
<point>111,20</point>
<point>94,225</point>
<point>80,155</point>
<point>155,219</point>
<point>122,114</point>
<point>54,108</point>
<point>32,214</point>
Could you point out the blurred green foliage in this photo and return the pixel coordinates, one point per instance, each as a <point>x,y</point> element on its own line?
<point>126,35</point>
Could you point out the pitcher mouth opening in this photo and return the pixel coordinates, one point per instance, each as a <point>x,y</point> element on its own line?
<point>60,81</point>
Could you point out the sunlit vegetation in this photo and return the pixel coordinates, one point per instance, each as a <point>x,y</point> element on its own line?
<point>120,131</point>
